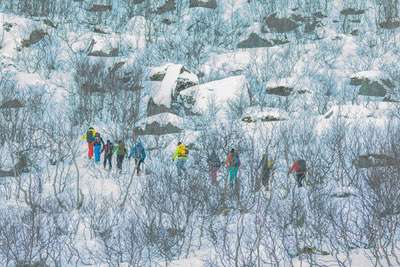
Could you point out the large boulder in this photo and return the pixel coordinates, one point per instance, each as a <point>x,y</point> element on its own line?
<point>372,83</point>
<point>352,12</point>
<point>174,79</point>
<point>390,24</point>
<point>100,8</point>
<point>102,47</point>
<point>35,37</point>
<point>255,41</point>
<point>221,93</point>
<point>280,25</point>
<point>283,87</point>
<point>169,5</point>
<point>212,4</point>
<point>160,124</point>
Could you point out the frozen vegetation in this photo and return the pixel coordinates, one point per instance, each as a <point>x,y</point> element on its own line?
<point>291,79</point>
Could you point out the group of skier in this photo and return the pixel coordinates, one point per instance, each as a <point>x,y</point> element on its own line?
<point>97,146</point>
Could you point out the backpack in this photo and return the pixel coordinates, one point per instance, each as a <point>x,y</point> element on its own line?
<point>235,160</point>
<point>90,136</point>
<point>121,150</point>
<point>182,151</point>
<point>108,149</point>
<point>303,165</point>
<point>139,151</point>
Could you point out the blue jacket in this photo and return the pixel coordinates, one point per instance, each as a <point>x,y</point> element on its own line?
<point>137,151</point>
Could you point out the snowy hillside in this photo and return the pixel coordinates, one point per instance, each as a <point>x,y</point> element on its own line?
<point>288,111</point>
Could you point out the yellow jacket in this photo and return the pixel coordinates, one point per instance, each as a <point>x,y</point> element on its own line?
<point>180,152</point>
<point>84,137</point>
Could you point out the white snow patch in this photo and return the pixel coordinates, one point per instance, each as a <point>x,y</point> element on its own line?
<point>168,85</point>
<point>219,92</point>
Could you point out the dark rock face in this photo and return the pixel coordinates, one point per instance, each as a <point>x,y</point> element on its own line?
<point>280,91</point>
<point>372,88</point>
<point>112,53</point>
<point>390,24</point>
<point>280,25</point>
<point>154,109</point>
<point>100,8</point>
<point>255,41</point>
<point>375,160</point>
<point>13,103</point>
<point>352,11</point>
<point>212,4</point>
<point>35,37</point>
<point>169,5</point>
<point>155,128</point>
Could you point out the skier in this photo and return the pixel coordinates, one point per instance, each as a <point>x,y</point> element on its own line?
<point>89,137</point>
<point>266,169</point>
<point>98,144</point>
<point>214,164</point>
<point>299,168</point>
<point>180,156</point>
<point>233,164</point>
<point>139,154</point>
<point>121,153</point>
<point>108,149</point>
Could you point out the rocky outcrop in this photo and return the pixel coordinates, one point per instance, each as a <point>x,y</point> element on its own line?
<point>280,25</point>
<point>170,5</point>
<point>100,8</point>
<point>212,4</point>
<point>13,103</point>
<point>390,24</point>
<point>174,79</point>
<point>255,41</point>
<point>220,93</point>
<point>352,12</point>
<point>372,83</point>
<point>114,52</point>
<point>161,124</point>
<point>35,37</point>
<point>155,128</point>
<point>154,109</point>
<point>280,90</point>
<point>375,160</point>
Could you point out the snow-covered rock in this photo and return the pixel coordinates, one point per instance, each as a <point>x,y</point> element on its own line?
<point>256,114</point>
<point>160,124</point>
<point>283,87</point>
<point>220,93</point>
<point>254,41</point>
<point>174,78</point>
<point>372,83</point>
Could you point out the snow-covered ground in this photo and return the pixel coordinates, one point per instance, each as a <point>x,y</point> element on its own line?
<point>327,91</point>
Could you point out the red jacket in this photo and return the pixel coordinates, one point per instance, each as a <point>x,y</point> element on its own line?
<point>296,168</point>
